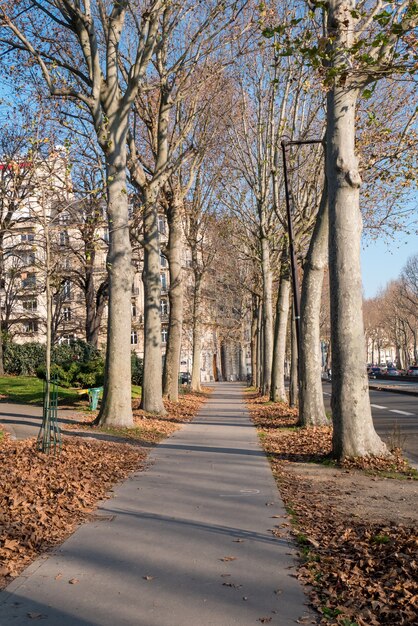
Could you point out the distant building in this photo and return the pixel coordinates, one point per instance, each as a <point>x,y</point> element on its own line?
<point>44,207</point>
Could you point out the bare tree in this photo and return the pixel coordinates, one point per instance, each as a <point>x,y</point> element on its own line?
<point>348,73</point>
<point>77,47</point>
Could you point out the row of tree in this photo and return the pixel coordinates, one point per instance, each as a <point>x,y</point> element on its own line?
<point>189,103</point>
<point>391,318</point>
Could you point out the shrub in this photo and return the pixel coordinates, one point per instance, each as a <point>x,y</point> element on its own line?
<point>23,359</point>
<point>75,365</point>
<point>137,369</point>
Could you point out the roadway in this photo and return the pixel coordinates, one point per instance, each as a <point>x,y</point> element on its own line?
<point>395,417</point>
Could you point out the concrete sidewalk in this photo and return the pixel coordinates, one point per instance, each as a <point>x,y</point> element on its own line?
<point>185,543</point>
<point>23,421</point>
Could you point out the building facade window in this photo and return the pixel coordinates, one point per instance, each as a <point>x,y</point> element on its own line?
<point>64,239</point>
<point>164,307</point>
<point>133,309</point>
<point>161,225</point>
<point>64,218</point>
<point>66,314</point>
<point>27,237</point>
<point>163,260</point>
<point>164,335</point>
<point>30,326</point>
<point>163,278</point>
<point>30,304</point>
<point>66,289</point>
<point>29,281</point>
<point>27,258</point>
<point>134,337</point>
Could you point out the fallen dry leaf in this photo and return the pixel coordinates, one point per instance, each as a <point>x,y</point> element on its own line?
<point>43,498</point>
<point>229,558</point>
<point>361,567</point>
<point>73,581</point>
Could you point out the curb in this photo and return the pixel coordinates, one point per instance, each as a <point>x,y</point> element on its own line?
<point>392,390</point>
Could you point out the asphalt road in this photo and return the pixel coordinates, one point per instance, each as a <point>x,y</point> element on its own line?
<point>395,417</point>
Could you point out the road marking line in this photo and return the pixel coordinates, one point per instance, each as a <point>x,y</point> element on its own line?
<point>377,406</point>
<point>400,412</point>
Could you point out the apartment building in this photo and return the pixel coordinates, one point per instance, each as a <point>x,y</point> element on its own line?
<point>49,231</point>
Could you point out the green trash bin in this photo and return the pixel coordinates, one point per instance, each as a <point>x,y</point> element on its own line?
<point>94,394</point>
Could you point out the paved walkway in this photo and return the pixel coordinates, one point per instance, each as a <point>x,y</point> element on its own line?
<point>185,543</point>
<point>23,421</point>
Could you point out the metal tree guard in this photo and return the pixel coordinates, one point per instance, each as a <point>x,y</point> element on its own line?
<point>49,436</point>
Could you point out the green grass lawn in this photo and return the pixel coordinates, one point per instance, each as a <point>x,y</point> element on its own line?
<point>28,390</point>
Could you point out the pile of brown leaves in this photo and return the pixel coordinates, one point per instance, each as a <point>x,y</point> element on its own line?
<point>362,571</point>
<point>152,428</point>
<point>44,497</point>
<point>359,571</point>
<point>148,427</point>
<point>270,415</point>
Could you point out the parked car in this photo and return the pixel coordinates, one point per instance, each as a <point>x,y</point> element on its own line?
<point>185,378</point>
<point>375,371</point>
<point>392,371</point>
<point>412,370</point>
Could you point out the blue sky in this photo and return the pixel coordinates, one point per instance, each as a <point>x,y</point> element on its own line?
<point>383,260</point>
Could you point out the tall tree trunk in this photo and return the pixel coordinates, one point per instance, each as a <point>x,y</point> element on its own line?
<point>172,357</point>
<point>152,390</point>
<point>254,343</point>
<point>1,316</point>
<point>242,361</point>
<point>267,316</point>
<point>278,391</point>
<point>197,334</point>
<point>95,305</point>
<point>354,434</point>
<point>311,399</point>
<point>116,408</point>
<point>294,374</point>
<point>258,349</point>
<point>261,350</point>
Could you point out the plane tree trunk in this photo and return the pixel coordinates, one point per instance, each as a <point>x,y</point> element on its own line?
<point>116,408</point>
<point>294,372</point>
<point>172,357</point>
<point>278,391</point>
<point>354,434</point>
<point>311,399</point>
<point>267,316</point>
<point>152,400</point>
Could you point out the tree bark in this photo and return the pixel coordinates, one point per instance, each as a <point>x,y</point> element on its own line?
<point>242,361</point>
<point>197,335</point>
<point>1,315</point>
<point>278,391</point>
<point>152,390</point>
<point>254,343</point>
<point>311,399</point>
<point>116,407</point>
<point>95,306</point>
<point>354,434</point>
<point>267,316</point>
<point>172,357</point>
<point>294,374</point>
